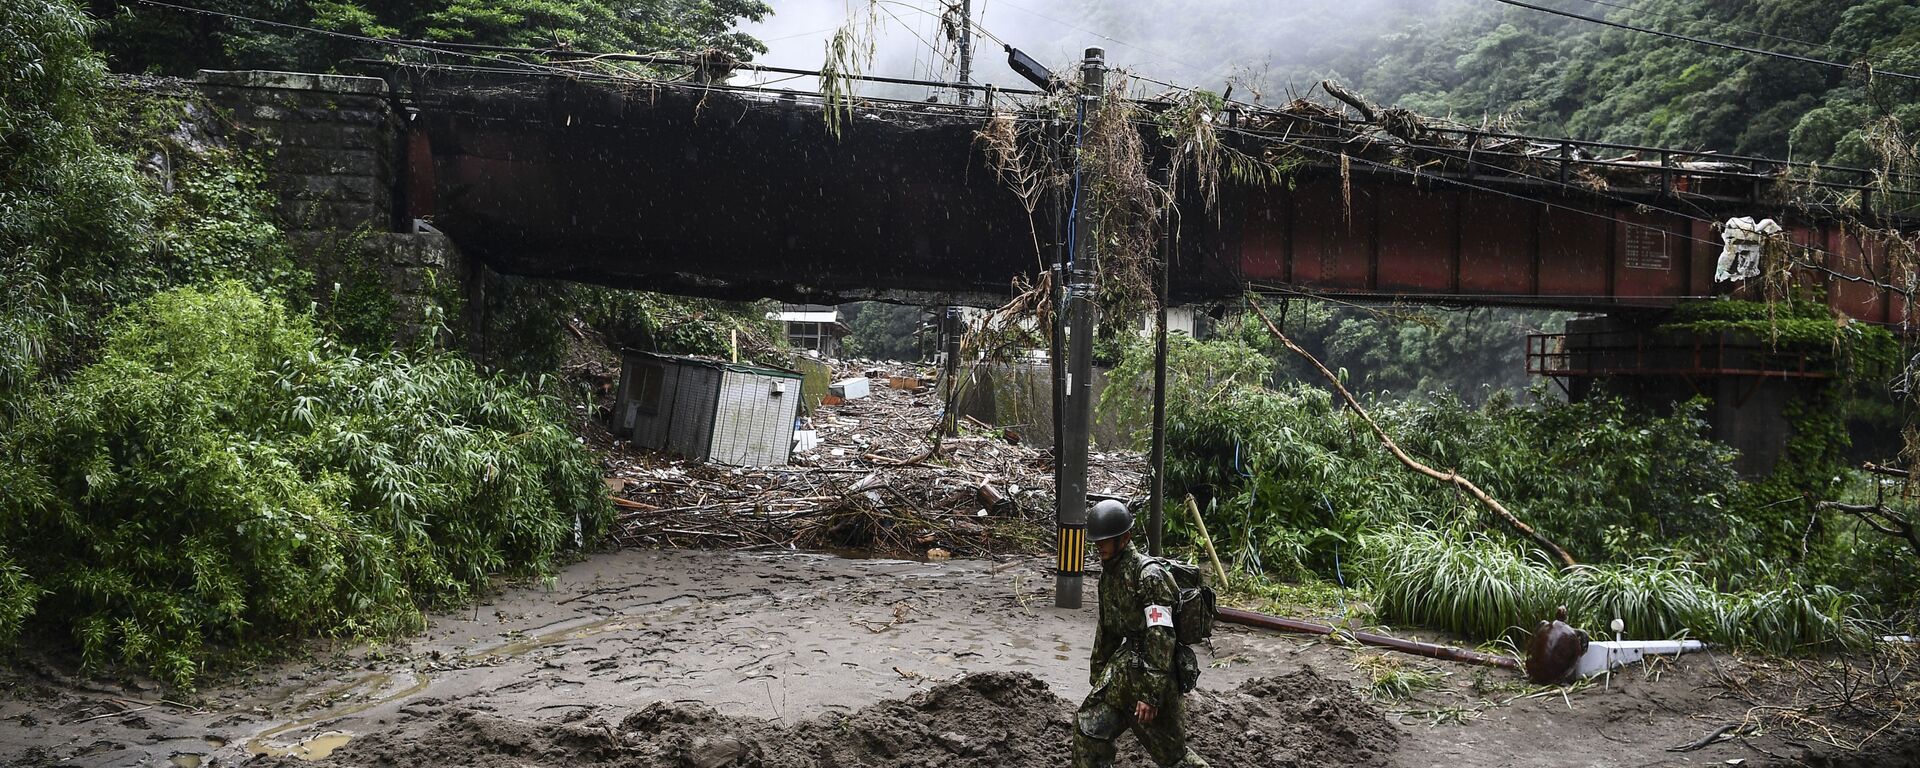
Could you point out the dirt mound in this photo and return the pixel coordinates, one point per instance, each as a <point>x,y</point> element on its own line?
<point>1295,719</point>
<point>993,719</point>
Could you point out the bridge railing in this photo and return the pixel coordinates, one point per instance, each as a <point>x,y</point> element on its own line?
<point>1665,171</point>
<point>1618,353</point>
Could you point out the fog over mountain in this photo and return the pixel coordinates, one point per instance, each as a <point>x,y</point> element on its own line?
<point>1261,44</point>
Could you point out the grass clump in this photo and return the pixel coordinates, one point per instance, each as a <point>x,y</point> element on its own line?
<point>1392,678</point>
<point>1483,588</point>
<point>223,476</point>
<point>1474,586</point>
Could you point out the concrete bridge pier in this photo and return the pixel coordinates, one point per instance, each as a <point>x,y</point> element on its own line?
<point>1749,381</point>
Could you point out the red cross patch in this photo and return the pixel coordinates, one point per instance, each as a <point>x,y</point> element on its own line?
<point>1159,616</point>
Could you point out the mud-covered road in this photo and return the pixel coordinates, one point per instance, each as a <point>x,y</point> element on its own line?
<point>677,658</point>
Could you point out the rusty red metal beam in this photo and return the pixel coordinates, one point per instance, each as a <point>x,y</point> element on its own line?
<point>1377,236</point>
<point>746,196</point>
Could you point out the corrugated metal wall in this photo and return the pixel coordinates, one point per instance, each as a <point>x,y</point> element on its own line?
<point>683,421</point>
<point>650,428</point>
<point>754,427</point>
<point>696,394</point>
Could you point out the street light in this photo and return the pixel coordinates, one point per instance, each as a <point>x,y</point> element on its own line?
<point>1031,69</point>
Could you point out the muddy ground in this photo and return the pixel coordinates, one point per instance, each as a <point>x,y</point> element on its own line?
<point>678,658</point>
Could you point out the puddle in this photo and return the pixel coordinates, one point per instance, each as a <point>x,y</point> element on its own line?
<point>542,640</point>
<point>320,745</point>
<point>184,760</point>
<point>315,747</point>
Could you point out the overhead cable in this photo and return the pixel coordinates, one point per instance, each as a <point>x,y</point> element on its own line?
<point>1742,30</point>
<point>1706,42</point>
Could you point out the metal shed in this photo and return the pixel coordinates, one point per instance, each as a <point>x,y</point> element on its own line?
<point>710,410</point>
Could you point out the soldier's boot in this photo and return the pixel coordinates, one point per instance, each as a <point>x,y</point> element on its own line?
<point>1089,752</point>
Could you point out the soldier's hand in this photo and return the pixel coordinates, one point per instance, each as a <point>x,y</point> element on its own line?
<point>1145,712</point>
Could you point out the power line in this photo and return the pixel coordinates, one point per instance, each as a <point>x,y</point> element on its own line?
<point>1703,41</point>
<point>1742,30</point>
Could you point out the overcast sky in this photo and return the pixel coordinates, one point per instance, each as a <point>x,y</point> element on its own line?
<point>1200,43</point>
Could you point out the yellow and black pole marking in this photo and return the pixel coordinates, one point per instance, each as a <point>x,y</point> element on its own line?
<point>1073,550</point>
<point>1073,560</point>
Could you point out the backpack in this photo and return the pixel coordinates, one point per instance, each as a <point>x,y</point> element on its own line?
<point>1193,606</point>
<point>1193,616</point>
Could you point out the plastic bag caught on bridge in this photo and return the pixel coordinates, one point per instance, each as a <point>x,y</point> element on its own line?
<point>1740,256</point>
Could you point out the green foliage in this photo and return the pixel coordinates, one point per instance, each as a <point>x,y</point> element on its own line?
<point>1594,82</point>
<point>361,308</point>
<point>881,331</point>
<point>1292,475</point>
<point>1484,588</point>
<point>681,325</point>
<point>83,230</point>
<point>1476,586</point>
<point>63,196</point>
<point>1414,351</point>
<point>147,39</point>
<point>1676,543</point>
<point>223,476</point>
<point>1865,354</point>
<point>1654,597</point>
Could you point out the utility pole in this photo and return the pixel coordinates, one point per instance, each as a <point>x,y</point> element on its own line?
<point>951,326</point>
<point>1157,499</point>
<point>966,51</point>
<point>1070,510</point>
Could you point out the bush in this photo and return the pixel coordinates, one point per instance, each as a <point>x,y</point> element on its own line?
<point>1476,586</point>
<point>223,476</point>
<point>1655,598</point>
<point>83,230</point>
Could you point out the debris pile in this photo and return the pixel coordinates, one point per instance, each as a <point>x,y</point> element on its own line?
<point>1405,139</point>
<point>877,479</point>
<point>998,719</point>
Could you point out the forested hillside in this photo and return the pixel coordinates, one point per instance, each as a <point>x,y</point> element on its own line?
<point>138,37</point>
<point>1475,60</point>
<point>1559,76</point>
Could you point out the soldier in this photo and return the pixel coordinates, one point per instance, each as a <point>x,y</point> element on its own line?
<point>1133,653</point>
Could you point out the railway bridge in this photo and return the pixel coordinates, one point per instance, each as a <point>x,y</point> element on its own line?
<point>702,189</point>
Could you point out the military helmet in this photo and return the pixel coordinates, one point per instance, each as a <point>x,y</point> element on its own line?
<point>1108,519</point>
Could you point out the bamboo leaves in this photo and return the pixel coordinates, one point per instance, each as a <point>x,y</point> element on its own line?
<point>199,501</point>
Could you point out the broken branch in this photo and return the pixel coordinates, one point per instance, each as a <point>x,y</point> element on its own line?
<point>1359,105</point>
<point>1879,518</point>
<point>1492,505</point>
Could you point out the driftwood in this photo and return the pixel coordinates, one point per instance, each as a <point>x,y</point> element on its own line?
<point>874,482</point>
<point>1352,100</point>
<point>1493,505</point>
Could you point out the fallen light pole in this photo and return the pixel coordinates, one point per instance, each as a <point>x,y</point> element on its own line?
<point>1070,505</point>
<point>1429,650</point>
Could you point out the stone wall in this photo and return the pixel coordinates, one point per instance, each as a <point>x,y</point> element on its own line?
<point>334,149</point>
<point>332,142</point>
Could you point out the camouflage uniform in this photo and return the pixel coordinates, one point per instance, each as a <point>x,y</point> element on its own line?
<point>1132,662</point>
